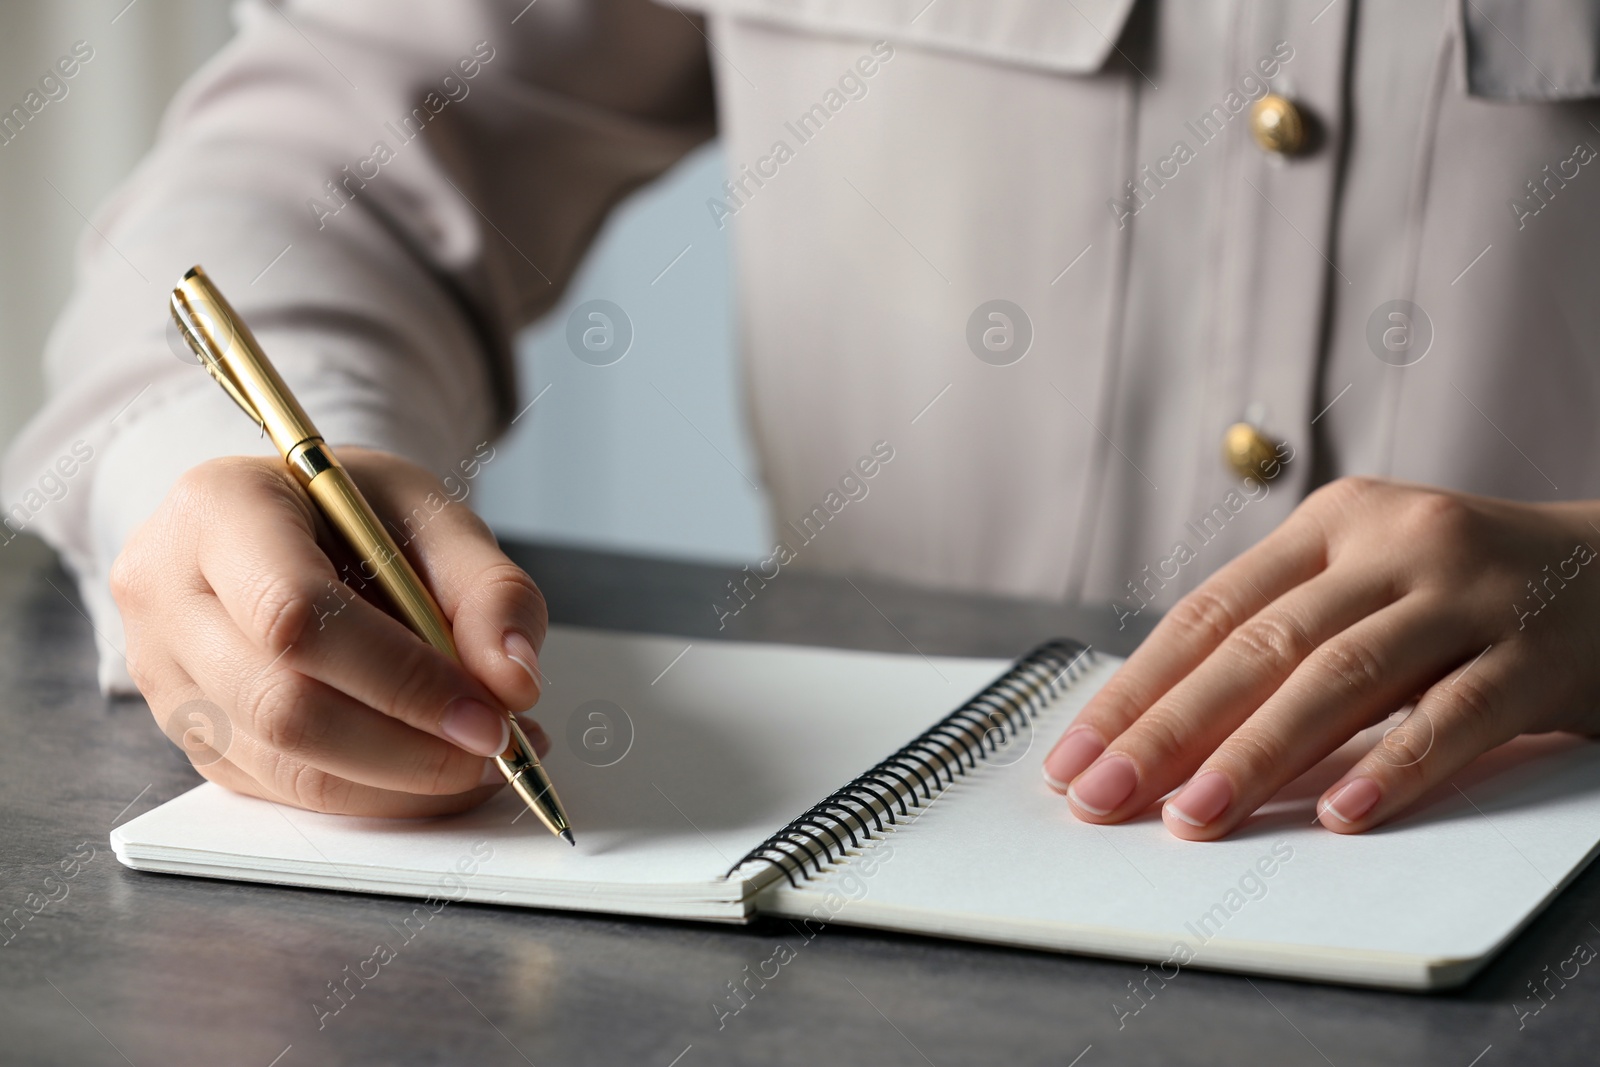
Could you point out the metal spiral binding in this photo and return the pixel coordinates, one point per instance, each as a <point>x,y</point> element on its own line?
<point>916,774</point>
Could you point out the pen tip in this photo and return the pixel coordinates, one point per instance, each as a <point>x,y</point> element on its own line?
<point>567,835</point>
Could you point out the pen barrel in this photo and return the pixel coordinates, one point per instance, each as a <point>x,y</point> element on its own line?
<point>331,486</point>
<point>230,354</point>
<point>336,494</point>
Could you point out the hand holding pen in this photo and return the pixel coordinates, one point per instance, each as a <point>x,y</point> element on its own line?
<point>347,714</point>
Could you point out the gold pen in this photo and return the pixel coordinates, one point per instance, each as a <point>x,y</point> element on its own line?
<point>229,351</point>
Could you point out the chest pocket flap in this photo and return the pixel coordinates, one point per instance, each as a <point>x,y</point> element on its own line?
<point>1532,50</point>
<point>1070,38</point>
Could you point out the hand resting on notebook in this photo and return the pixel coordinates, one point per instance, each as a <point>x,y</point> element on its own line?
<point>1370,596</point>
<point>231,598</point>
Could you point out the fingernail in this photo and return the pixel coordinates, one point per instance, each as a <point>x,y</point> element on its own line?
<point>1078,748</point>
<point>1354,800</point>
<point>476,727</point>
<point>492,775</point>
<point>1103,787</point>
<point>519,650</point>
<point>1205,797</point>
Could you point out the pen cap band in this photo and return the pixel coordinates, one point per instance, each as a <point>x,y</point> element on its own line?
<point>230,352</point>
<point>309,459</point>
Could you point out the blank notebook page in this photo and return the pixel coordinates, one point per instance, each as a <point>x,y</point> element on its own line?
<point>1421,902</point>
<point>728,743</point>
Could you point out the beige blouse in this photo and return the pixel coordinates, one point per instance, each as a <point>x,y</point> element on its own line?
<point>1041,254</point>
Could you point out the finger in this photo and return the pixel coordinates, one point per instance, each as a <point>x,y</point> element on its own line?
<point>301,716</point>
<point>199,727</point>
<point>283,780</point>
<point>1164,746</point>
<point>1292,554</point>
<point>233,759</point>
<point>281,592</point>
<point>495,610</point>
<point>1482,704</point>
<point>498,615</point>
<point>1353,679</point>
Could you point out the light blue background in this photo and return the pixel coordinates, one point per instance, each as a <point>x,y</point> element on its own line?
<point>603,458</point>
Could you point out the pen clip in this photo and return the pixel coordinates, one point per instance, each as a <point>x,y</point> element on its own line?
<point>200,336</point>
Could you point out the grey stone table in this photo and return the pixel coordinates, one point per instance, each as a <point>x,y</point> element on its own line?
<point>119,967</point>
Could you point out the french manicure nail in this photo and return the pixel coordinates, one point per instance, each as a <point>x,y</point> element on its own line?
<point>1078,748</point>
<point>1205,797</point>
<point>519,650</point>
<point>1102,788</point>
<point>1354,800</point>
<point>476,727</point>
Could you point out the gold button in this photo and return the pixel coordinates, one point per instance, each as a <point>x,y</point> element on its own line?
<point>1278,125</point>
<point>1250,453</point>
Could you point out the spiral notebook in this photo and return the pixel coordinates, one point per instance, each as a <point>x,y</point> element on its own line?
<point>719,781</point>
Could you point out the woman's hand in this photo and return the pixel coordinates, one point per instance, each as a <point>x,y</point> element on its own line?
<point>1371,595</point>
<point>260,658</point>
